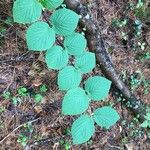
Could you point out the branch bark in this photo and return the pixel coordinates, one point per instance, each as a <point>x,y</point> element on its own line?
<point>96,43</point>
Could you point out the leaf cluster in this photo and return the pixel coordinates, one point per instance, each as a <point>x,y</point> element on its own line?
<point>42,37</point>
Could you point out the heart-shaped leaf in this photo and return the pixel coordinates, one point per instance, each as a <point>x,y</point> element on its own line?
<point>56,57</point>
<point>40,36</point>
<point>26,11</point>
<point>51,4</point>
<point>64,21</point>
<point>75,44</point>
<point>86,62</point>
<point>106,116</point>
<point>97,87</point>
<point>75,102</point>
<point>69,78</point>
<point>82,129</point>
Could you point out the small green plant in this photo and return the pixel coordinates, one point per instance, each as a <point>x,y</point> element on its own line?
<point>22,91</point>
<point>141,45</point>
<point>138,27</point>
<point>23,137</point>
<point>134,26</point>
<point>43,88</point>
<point>2,109</point>
<point>65,144</point>
<point>146,123</point>
<point>6,95</point>
<point>140,4</point>
<point>124,36</point>
<point>38,98</point>
<point>119,23</point>
<point>41,36</point>
<point>146,55</point>
<point>138,79</point>
<point>16,100</point>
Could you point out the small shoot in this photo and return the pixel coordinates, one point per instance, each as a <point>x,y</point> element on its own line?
<point>22,91</point>
<point>23,139</point>
<point>142,45</point>
<point>6,95</point>
<point>146,123</point>
<point>16,100</point>
<point>140,4</point>
<point>38,98</point>
<point>43,88</point>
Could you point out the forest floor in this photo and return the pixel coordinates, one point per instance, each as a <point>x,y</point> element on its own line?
<point>25,80</point>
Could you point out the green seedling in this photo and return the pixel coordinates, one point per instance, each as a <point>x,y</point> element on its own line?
<point>145,56</point>
<point>138,27</point>
<point>38,98</point>
<point>2,109</point>
<point>119,23</point>
<point>124,36</point>
<point>135,82</point>
<point>6,95</point>
<point>142,45</point>
<point>65,144</point>
<point>141,14</point>
<point>23,139</point>
<point>140,4</point>
<point>138,79</point>
<point>146,123</point>
<point>16,100</point>
<point>22,91</point>
<point>2,32</point>
<point>43,88</point>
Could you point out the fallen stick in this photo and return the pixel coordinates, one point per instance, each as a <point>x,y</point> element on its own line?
<point>96,44</point>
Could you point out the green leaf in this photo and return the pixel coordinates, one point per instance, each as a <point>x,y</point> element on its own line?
<point>64,21</point>
<point>23,91</point>
<point>23,139</point>
<point>30,127</point>
<point>51,4</point>
<point>75,44</point>
<point>97,87</point>
<point>43,88</point>
<point>6,95</point>
<point>144,124</point>
<point>86,62</point>
<point>38,98</point>
<point>56,58</point>
<point>14,100</point>
<point>69,78</point>
<point>147,116</point>
<point>26,11</point>
<point>106,116</point>
<point>40,36</point>
<point>82,129</point>
<point>75,102</point>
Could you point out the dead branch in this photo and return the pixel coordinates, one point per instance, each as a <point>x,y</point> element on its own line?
<point>96,44</point>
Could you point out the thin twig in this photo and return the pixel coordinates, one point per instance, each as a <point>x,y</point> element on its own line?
<point>17,129</point>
